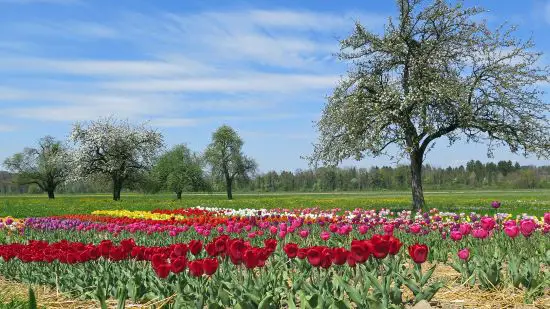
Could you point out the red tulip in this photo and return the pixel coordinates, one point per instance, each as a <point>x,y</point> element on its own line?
<point>210,266</point>
<point>339,256</point>
<point>250,258</point>
<point>395,245</point>
<point>302,253</point>
<point>380,245</point>
<point>178,265</point>
<point>291,250</point>
<point>162,270</point>
<point>195,246</point>
<point>419,253</point>
<point>196,268</point>
<point>360,250</point>
<point>270,244</point>
<point>314,256</point>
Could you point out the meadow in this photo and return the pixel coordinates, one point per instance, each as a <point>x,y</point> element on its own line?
<point>533,202</point>
<point>323,250</point>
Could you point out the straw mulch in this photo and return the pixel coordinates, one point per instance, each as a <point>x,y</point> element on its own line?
<point>453,296</point>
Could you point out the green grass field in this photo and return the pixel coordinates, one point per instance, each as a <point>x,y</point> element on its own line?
<point>535,202</point>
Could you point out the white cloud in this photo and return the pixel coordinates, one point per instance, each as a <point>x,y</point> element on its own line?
<point>116,68</point>
<point>283,83</point>
<point>174,122</point>
<point>7,128</point>
<point>307,20</point>
<point>41,1</point>
<point>254,63</point>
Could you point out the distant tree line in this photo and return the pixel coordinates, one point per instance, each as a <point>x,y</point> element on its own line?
<point>166,177</point>
<point>474,175</point>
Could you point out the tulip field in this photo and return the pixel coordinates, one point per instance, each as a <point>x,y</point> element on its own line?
<point>312,257</point>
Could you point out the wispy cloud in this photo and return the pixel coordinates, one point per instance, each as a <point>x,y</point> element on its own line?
<point>41,1</point>
<point>7,128</point>
<point>176,70</point>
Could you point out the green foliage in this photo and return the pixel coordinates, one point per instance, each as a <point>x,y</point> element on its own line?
<point>46,166</point>
<point>179,170</point>
<point>226,158</point>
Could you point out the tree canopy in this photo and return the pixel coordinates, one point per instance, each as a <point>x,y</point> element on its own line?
<point>46,166</point>
<point>116,149</point>
<point>438,70</point>
<point>225,156</point>
<point>180,170</point>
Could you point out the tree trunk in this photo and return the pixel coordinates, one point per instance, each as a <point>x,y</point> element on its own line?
<point>117,187</point>
<point>229,187</point>
<point>178,195</point>
<point>51,194</point>
<point>416,180</point>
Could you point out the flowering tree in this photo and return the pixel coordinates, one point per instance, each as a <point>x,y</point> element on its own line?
<point>45,166</point>
<point>226,158</point>
<point>180,170</point>
<point>438,71</point>
<point>114,148</point>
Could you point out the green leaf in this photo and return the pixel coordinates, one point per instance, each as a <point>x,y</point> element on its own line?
<point>32,299</point>
<point>340,304</point>
<point>291,304</point>
<point>427,276</point>
<point>412,286</point>
<point>374,281</point>
<point>266,302</point>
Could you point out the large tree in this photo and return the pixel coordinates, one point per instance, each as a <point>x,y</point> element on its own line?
<point>180,170</point>
<point>46,166</point>
<point>226,158</point>
<point>116,149</point>
<point>436,71</point>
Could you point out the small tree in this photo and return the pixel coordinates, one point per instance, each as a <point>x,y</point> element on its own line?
<point>180,170</point>
<point>437,72</point>
<point>226,158</point>
<point>116,149</point>
<point>46,166</point>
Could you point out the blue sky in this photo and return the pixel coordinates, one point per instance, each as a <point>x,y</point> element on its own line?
<point>263,67</point>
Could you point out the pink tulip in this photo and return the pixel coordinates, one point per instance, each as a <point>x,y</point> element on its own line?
<point>325,235</point>
<point>547,218</point>
<point>464,254</point>
<point>527,227</point>
<point>511,231</point>
<point>456,235</point>
<point>465,228</point>
<point>487,223</point>
<point>220,229</point>
<point>388,229</point>
<point>282,234</point>
<point>415,228</point>
<point>363,229</point>
<point>304,233</point>
<point>495,204</point>
<point>480,233</point>
<point>333,228</point>
<point>510,223</point>
<point>273,229</point>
